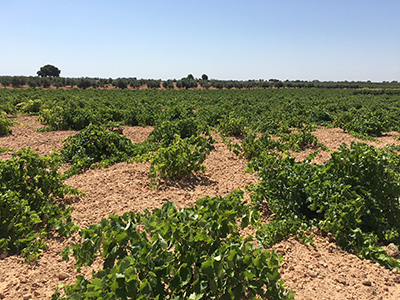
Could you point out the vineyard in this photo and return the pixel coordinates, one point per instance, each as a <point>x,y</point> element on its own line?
<point>199,194</point>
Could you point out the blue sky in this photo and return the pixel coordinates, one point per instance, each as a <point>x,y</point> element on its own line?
<point>305,39</point>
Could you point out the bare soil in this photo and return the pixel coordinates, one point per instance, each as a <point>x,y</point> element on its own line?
<point>322,271</point>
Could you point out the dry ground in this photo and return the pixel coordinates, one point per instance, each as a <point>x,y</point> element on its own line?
<point>318,272</point>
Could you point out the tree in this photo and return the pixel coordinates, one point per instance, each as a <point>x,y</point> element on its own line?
<point>45,83</point>
<point>17,82</point>
<point>84,83</point>
<point>49,71</point>
<point>121,83</point>
<point>278,84</point>
<point>204,77</point>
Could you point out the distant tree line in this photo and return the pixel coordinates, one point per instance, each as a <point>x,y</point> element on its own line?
<point>189,82</point>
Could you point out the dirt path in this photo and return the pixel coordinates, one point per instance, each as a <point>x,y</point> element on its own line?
<point>318,272</point>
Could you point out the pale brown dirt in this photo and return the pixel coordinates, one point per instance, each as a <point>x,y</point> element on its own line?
<point>322,271</point>
<point>325,272</point>
<point>333,138</point>
<point>24,135</point>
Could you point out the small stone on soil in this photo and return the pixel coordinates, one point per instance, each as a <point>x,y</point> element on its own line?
<point>367,282</point>
<point>392,250</point>
<point>313,274</point>
<point>342,279</point>
<point>63,276</point>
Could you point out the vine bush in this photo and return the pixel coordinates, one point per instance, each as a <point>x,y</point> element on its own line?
<point>5,124</point>
<point>97,146</point>
<point>354,196</point>
<point>164,132</point>
<point>181,158</point>
<point>30,188</point>
<point>233,126</point>
<point>170,253</point>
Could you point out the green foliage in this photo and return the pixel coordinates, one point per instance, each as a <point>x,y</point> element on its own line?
<point>365,123</point>
<point>186,113</point>
<point>7,108</point>
<point>80,111</point>
<point>233,126</point>
<point>382,87</point>
<point>252,146</point>
<point>30,106</point>
<point>5,124</point>
<point>164,132</point>
<point>181,150</point>
<point>29,188</point>
<point>298,141</point>
<point>69,117</point>
<point>49,71</point>
<point>180,158</point>
<point>354,195</point>
<point>97,146</point>
<point>193,253</point>
<point>273,111</point>
<point>279,229</point>
<point>2,150</point>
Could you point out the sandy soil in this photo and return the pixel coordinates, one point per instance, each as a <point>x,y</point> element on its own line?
<point>319,272</point>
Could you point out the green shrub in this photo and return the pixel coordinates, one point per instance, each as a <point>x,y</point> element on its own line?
<point>252,146</point>
<point>180,158</point>
<point>30,106</point>
<point>164,132</point>
<point>97,146</point>
<point>29,187</point>
<point>298,141</point>
<point>70,116</point>
<point>170,253</point>
<point>354,195</point>
<point>5,124</point>
<point>233,126</point>
<point>364,123</point>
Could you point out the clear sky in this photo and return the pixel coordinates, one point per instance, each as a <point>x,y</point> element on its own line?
<point>287,39</point>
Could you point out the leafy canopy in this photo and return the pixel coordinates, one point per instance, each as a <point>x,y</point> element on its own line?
<point>49,71</point>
